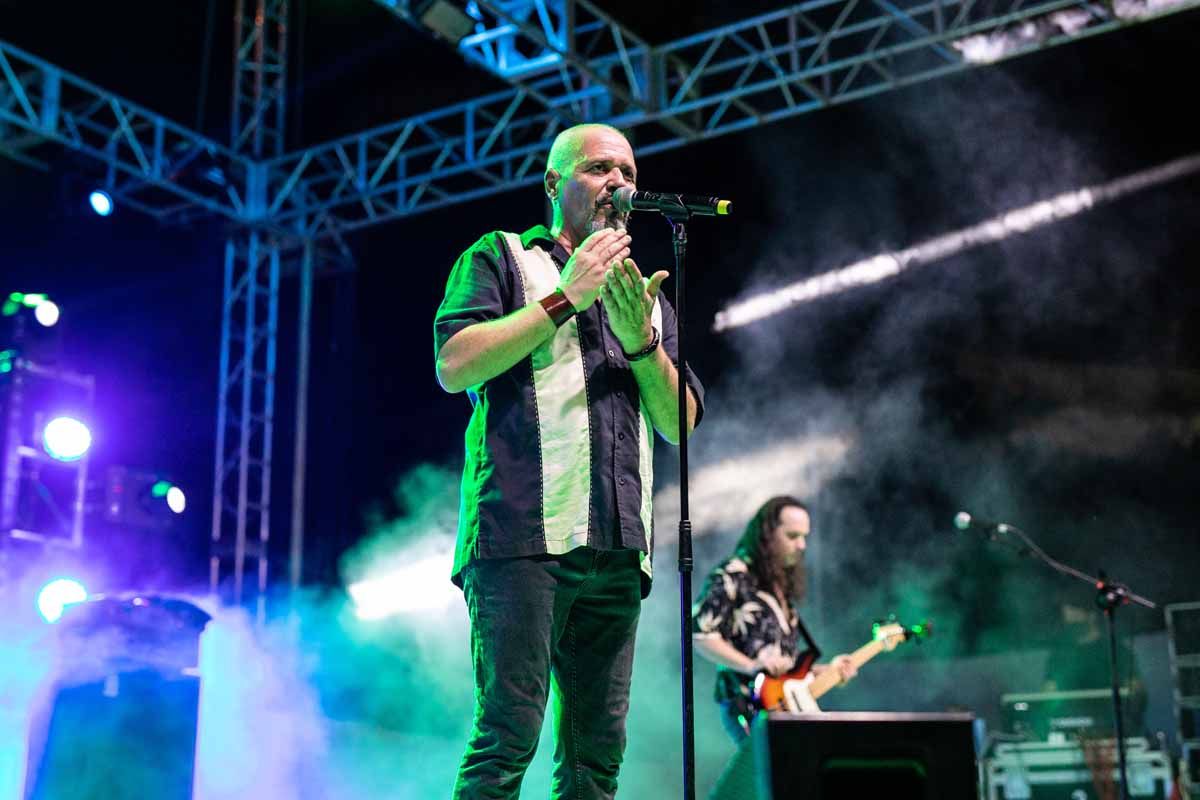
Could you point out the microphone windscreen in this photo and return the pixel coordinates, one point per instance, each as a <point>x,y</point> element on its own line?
<point>623,199</point>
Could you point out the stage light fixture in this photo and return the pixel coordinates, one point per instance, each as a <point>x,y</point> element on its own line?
<point>176,500</point>
<point>18,300</point>
<point>46,313</point>
<point>56,595</point>
<point>101,202</point>
<point>444,19</point>
<point>142,499</point>
<point>174,497</point>
<point>66,438</point>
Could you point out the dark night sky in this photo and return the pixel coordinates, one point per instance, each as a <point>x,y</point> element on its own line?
<point>141,302</point>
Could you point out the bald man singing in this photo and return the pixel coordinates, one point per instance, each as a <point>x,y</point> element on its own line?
<point>567,354</point>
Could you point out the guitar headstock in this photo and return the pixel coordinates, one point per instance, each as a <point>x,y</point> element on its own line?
<point>891,633</point>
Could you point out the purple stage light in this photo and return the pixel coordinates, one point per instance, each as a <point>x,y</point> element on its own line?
<point>57,595</point>
<point>176,500</point>
<point>66,438</point>
<point>46,313</point>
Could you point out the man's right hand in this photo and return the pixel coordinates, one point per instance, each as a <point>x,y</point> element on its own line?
<point>585,270</point>
<point>773,665</point>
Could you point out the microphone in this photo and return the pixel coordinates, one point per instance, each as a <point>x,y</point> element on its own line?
<point>964,521</point>
<point>626,199</point>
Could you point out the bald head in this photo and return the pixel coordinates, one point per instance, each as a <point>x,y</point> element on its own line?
<point>570,143</point>
<point>587,163</point>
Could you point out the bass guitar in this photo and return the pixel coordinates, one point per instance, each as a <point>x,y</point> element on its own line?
<point>797,691</point>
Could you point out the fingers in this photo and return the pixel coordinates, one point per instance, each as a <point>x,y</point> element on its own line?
<point>608,245</point>
<point>599,238</point>
<point>655,283</point>
<point>624,283</point>
<point>616,299</point>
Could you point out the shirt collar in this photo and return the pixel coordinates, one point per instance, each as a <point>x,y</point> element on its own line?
<point>540,235</point>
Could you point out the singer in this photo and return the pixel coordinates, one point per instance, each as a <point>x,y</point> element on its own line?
<point>568,358</point>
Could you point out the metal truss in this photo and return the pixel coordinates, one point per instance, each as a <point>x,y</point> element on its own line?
<point>259,78</point>
<point>152,164</point>
<point>241,518</point>
<point>599,68</point>
<point>770,67</point>
<point>777,65</point>
<point>241,522</point>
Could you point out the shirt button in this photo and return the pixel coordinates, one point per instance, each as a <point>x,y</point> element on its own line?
<point>621,481</point>
<point>621,436</point>
<point>612,354</point>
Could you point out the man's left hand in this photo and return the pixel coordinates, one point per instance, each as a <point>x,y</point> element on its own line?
<point>845,667</point>
<point>629,301</point>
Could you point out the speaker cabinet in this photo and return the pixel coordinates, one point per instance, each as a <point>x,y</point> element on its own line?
<point>838,755</point>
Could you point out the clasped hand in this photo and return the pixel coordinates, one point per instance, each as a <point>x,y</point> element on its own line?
<point>601,267</point>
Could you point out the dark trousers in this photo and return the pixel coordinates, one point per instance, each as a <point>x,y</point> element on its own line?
<point>569,619</point>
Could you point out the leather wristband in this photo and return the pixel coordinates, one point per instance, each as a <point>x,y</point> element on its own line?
<point>647,350</point>
<point>558,307</point>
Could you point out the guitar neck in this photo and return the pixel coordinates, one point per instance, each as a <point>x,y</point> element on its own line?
<point>831,677</point>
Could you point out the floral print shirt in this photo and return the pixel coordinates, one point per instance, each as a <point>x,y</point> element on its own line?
<point>733,607</point>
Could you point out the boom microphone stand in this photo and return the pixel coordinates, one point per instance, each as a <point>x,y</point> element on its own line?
<point>1110,595</point>
<point>678,209</point>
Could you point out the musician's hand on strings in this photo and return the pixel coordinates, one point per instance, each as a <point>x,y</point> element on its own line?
<point>774,664</point>
<point>845,667</point>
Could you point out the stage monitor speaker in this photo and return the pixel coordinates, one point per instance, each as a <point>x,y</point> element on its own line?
<point>128,737</point>
<point>839,755</point>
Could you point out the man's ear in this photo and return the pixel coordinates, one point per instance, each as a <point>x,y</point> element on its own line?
<point>551,183</point>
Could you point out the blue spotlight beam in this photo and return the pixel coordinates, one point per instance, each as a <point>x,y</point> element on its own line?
<point>166,167</point>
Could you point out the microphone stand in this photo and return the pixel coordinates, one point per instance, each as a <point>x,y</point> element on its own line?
<point>678,218</point>
<point>1110,595</point>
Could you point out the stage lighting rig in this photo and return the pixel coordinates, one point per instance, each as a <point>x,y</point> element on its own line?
<point>1053,27</point>
<point>66,439</point>
<point>45,310</point>
<point>55,596</point>
<point>44,449</point>
<point>29,327</point>
<point>142,499</point>
<point>452,21</point>
<point>101,202</point>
